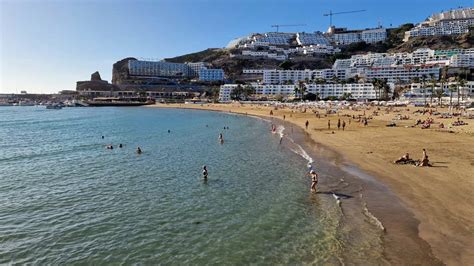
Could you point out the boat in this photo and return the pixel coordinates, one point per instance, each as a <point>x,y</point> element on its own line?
<point>54,106</point>
<point>118,101</point>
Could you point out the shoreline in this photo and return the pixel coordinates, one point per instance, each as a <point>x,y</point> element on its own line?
<point>407,226</point>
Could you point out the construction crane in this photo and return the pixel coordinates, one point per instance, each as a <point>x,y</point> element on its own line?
<point>330,14</point>
<point>287,25</point>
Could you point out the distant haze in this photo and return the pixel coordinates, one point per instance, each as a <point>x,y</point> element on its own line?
<point>47,46</point>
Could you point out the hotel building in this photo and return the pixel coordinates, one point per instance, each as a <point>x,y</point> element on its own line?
<point>209,74</point>
<point>357,90</point>
<point>451,22</point>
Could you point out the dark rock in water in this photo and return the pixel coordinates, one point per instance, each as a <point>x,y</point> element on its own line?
<point>96,76</point>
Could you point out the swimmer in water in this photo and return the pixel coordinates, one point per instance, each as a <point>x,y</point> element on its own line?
<point>281,139</point>
<point>221,138</point>
<point>110,147</point>
<point>120,145</point>
<point>139,151</point>
<point>204,172</point>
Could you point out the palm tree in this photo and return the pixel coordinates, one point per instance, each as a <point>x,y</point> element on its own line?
<point>433,86</point>
<point>452,88</point>
<point>376,84</point>
<point>461,83</point>
<point>423,82</point>
<point>439,93</point>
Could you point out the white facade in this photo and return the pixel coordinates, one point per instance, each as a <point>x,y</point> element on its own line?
<point>264,54</point>
<point>206,74</point>
<point>317,49</point>
<point>275,38</point>
<point>419,90</point>
<point>316,38</point>
<point>421,56</point>
<point>158,69</point>
<point>402,74</point>
<point>343,36</point>
<point>452,22</point>
<point>357,90</point>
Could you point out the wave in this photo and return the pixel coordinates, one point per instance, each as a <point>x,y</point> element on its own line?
<point>300,151</point>
<point>280,129</point>
<point>372,218</point>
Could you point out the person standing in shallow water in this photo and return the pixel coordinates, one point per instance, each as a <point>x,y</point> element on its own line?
<point>314,180</point>
<point>204,172</point>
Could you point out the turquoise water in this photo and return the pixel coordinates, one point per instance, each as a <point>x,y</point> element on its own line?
<point>66,199</point>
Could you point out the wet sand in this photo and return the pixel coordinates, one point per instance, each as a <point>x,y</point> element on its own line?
<point>427,213</point>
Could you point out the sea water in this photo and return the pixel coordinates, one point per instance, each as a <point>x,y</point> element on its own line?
<point>66,199</point>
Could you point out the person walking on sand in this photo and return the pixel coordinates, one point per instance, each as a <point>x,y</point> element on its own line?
<point>307,124</point>
<point>329,124</point>
<point>338,124</point>
<point>343,125</point>
<point>314,180</point>
<point>204,172</point>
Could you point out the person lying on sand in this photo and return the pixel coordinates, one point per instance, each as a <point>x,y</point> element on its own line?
<point>404,159</point>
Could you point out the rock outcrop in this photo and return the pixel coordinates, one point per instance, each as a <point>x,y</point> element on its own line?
<point>96,76</point>
<point>120,71</point>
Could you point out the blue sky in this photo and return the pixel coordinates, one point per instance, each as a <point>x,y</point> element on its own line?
<point>46,46</point>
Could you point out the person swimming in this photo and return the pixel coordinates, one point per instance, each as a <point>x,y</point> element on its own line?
<point>221,138</point>
<point>204,172</point>
<point>139,151</point>
<point>120,145</point>
<point>110,147</point>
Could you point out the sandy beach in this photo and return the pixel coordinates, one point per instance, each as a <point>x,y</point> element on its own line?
<point>440,197</point>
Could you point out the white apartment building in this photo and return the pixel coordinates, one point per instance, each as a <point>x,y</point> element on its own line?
<point>373,35</point>
<point>274,76</point>
<point>316,38</point>
<point>451,22</point>
<point>405,74</point>
<point>209,74</point>
<point>342,36</point>
<point>420,90</point>
<point>357,90</point>
<point>462,60</point>
<point>158,69</point>
<point>264,54</point>
<point>317,49</point>
<point>275,38</point>
<point>456,58</point>
<point>195,67</point>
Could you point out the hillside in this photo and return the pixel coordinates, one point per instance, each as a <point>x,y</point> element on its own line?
<point>220,57</point>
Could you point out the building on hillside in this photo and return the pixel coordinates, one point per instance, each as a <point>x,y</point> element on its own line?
<point>266,54</point>
<point>342,36</point>
<point>356,90</point>
<point>453,22</point>
<point>195,67</point>
<point>209,74</point>
<point>462,60</point>
<point>422,90</point>
<point>317,49</point>
<point>275,38</point>
<point>397,74</point>
<point>316,38</point>
<point>158,69</point>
